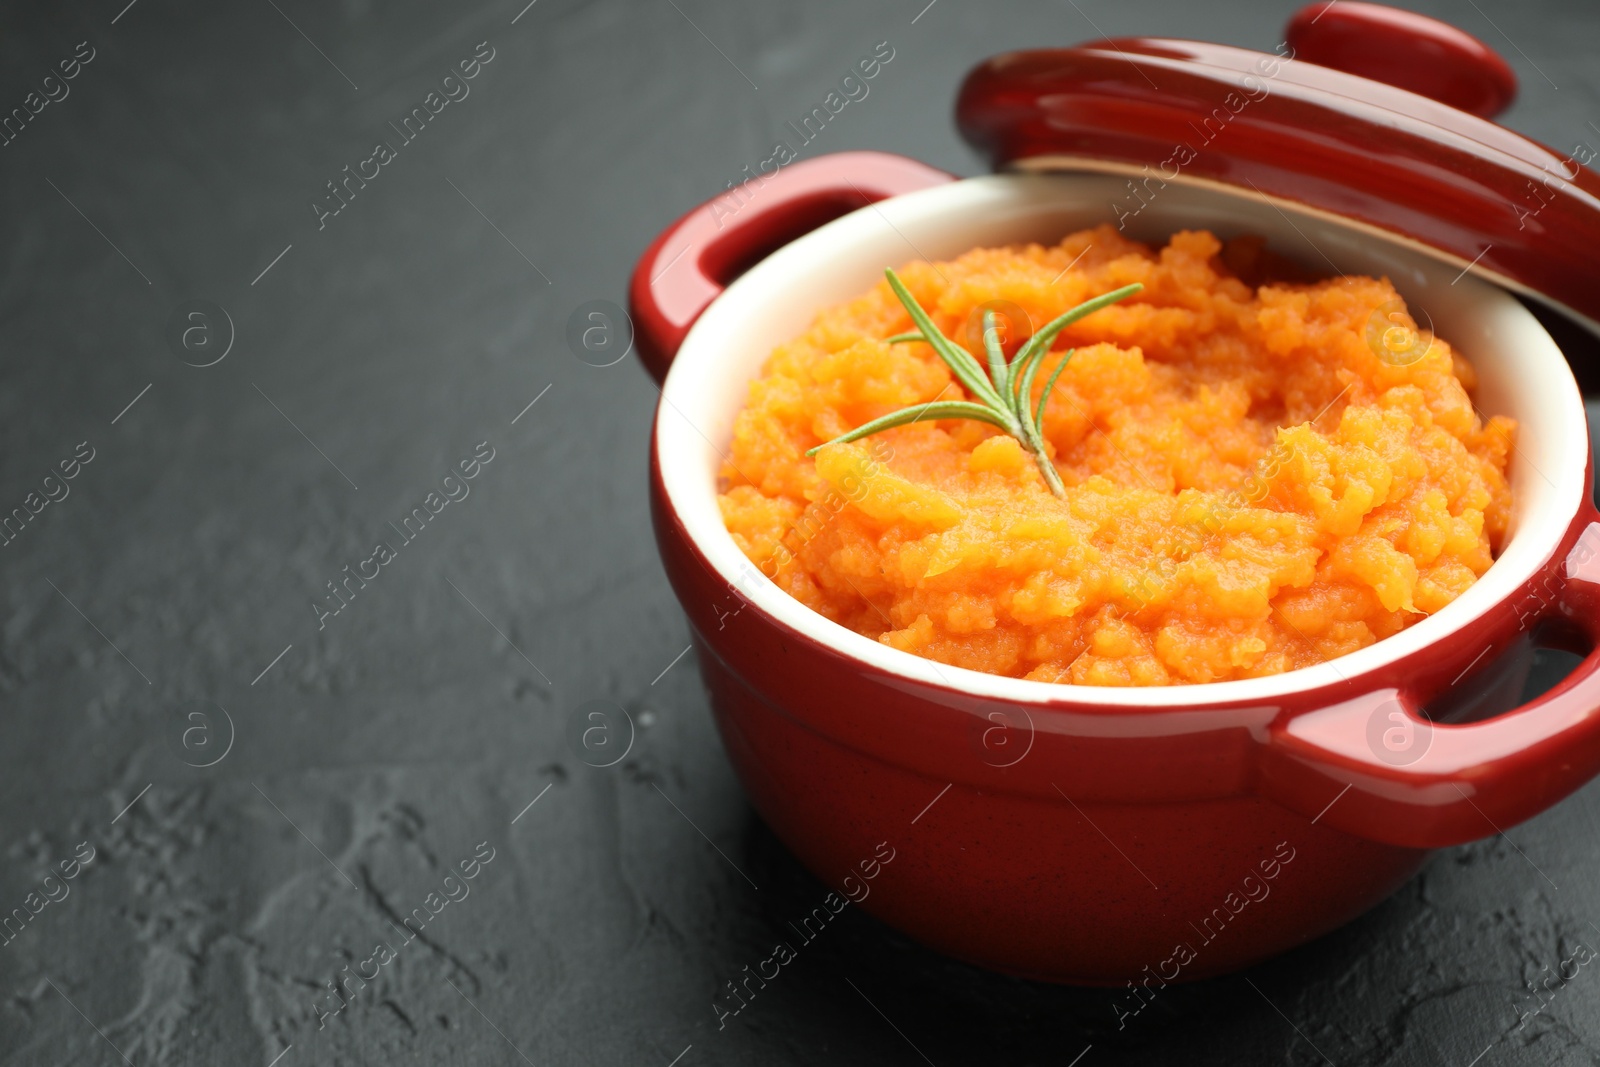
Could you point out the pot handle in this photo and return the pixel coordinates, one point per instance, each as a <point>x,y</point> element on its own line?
<point>1374,767</point>
<point>1406,50</point>
<point>695,258</point>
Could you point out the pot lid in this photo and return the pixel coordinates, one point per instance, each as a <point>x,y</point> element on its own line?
<point>1378,116</point>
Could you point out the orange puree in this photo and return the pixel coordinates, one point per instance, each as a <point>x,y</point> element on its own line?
<point>1254,482</point>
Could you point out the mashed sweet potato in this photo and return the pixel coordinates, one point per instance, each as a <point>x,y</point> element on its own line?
<point>1256,481</point>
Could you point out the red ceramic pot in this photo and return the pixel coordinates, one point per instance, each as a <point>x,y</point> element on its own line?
<point>1076,833</point>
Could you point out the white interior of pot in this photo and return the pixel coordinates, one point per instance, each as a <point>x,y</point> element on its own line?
<point>1521,373</point>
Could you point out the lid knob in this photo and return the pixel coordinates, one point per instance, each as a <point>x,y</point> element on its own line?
<point>1406,50</point>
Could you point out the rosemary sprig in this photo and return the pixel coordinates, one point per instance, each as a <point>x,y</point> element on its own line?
<point>1002,397</point>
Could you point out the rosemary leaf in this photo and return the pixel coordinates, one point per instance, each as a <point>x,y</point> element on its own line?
<point>1001,398</point>
<point>999,373</point>
<point>958,359</point>
<point>947,409</point>
<point>1038,418</point>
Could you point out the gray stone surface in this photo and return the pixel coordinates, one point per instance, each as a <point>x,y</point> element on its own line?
<point>158,617</point>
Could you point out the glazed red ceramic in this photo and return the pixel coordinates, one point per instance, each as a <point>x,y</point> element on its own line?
<point>1096,835</point>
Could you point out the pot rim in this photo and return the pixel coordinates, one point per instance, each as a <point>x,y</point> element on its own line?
<point>708,383</point>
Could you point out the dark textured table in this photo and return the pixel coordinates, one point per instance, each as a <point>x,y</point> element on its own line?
<point>220,795</point>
